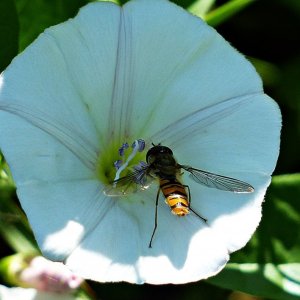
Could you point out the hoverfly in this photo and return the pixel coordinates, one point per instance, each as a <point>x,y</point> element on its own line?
<point>161,165</point>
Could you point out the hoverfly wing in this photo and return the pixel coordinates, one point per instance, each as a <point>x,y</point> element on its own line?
<point>134,181</point>
<point>218,181</point>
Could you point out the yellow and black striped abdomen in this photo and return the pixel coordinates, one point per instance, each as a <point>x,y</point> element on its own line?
<point>176,196</point>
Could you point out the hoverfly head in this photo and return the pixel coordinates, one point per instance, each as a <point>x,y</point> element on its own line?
<point>157,151</point>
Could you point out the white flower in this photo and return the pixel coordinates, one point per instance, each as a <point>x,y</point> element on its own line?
<point>148,70</point>
<point>29,294</point>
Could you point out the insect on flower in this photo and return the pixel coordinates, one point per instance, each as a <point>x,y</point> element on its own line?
<point>162,166</point>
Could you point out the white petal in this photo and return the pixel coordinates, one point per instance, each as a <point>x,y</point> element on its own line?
<point>65,99</point>
<point>183,249</point>
<point>175,65</point>
<point>62,214</point>
<point>37,147</point>
<point>88,46</point>
<point>241,134</point>
<point>109,252</point>
<point>233,217</point>
<point>224,139</point>
<point>17,293</point>
<point>147,69</point>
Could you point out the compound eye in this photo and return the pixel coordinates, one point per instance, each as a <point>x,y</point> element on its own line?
<point>167,150</point>
<point>149,154</point>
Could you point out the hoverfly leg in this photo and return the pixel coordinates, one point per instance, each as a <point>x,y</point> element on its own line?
<point>203,219</point>
<point>190,201</point>
<point>155,222</point>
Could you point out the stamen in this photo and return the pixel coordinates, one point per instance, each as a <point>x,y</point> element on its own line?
<point>118,164</point>
<point>141,144</point>
<point>123,148</point>
<point>137,145</point>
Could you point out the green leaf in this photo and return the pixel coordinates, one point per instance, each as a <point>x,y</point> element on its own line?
<point>224,12</point>
<point>114,1</point>
<point>280,282</point>
<point>17,239</point>
<point>277,239</point>
<point>9,32</point>
<point>201,7</point>
<point>269,265</point>
<point>292,4</point>
<point>36,15</point>
<point>11,266</point>
<point>270,73</point>
<point>14,227</point>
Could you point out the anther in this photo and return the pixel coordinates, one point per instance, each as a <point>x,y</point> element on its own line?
<point>118,164</point>
<point>123,148</point>
<point>141,144</point>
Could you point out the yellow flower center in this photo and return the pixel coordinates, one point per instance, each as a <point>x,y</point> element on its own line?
<point>117,160</point>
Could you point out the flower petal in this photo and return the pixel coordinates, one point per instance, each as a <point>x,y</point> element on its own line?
<point>183,249</point>
<point>75,208</point>
<point>233,217</point>
<point>47,129</point>
<point>64,99</point>
<point>91,40</point>
<point>177,65</point>
<point>224,139</point>
<point>148,69</point>
<point>18,293</point>
<point>49,144</point>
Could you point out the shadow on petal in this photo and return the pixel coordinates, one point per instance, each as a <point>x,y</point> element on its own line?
<point>183,249</point>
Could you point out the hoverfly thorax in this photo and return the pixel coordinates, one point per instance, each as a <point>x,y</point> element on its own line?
<point>161,160</point>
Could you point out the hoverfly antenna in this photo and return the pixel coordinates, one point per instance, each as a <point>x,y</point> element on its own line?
<point>155,145</point>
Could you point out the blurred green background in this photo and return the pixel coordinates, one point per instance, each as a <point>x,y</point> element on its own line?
<point>268,33</point>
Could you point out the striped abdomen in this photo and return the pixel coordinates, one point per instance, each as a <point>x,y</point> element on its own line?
<point>176,196</point>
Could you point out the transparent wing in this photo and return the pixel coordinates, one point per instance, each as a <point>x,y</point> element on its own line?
<point>134,181</point>
<point>218,181</point>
